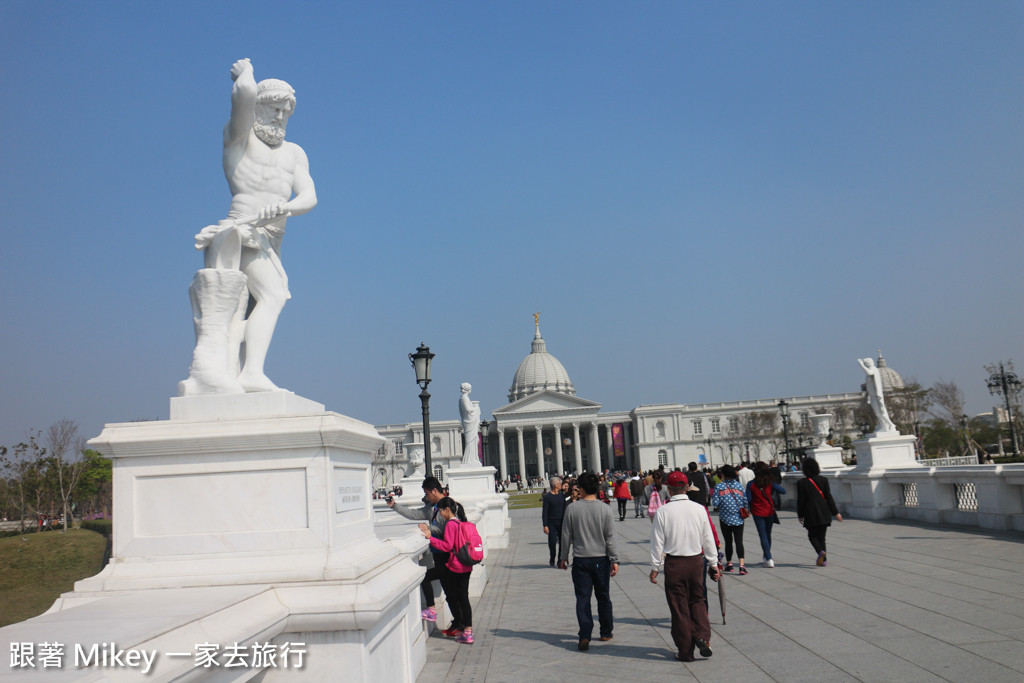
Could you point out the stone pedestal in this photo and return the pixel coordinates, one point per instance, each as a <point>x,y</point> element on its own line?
<point>828,457</point>
<point>474,488</point>
<point>885,450</point>
<point>247,518</point>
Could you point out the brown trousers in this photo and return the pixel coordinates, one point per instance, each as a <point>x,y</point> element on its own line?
<point>684,590</point>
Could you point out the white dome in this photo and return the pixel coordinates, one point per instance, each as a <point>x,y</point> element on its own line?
<point>538,371</point>
<point>890,378</point>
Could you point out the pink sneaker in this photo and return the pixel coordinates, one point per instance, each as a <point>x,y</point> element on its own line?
<point>429,614</point>
<point>466,637</point>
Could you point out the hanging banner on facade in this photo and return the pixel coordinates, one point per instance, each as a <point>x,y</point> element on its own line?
<point>618,443</point>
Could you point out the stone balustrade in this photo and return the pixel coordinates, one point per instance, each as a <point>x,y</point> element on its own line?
<point>986,496</point>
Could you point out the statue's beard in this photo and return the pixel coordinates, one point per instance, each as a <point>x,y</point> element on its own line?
<point>270,133</point>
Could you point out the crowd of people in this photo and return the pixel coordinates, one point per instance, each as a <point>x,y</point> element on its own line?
<point>687,547</point>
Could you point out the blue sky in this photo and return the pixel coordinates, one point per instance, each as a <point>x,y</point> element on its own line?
<point>705,201</point>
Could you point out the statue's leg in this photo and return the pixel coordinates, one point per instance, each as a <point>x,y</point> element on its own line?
<point>225,250</point>
<point>268,288</point>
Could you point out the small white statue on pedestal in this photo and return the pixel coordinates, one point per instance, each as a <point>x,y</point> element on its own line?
<point>876,398</point>
<point>469,413</point>
<point>243,252</point>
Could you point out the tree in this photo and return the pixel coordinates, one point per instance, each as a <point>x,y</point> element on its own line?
<point>62,440</point>
<point>95,485</point>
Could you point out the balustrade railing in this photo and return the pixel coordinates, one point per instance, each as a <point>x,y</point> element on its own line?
<point>988,496</point>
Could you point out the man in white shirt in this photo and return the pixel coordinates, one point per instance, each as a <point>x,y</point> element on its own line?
<point>745,474</point>
<point>681,539</point>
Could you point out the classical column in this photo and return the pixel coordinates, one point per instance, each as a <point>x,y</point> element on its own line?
<point>627,436</point>
<point>611,449</point>
<point>502,458</point>
<point>541,470</point>
<point>558,450</point>
<point>595,449</point>
<point>522,453</point>
<point>576,446</point>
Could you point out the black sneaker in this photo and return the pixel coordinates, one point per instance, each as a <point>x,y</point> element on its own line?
<point>702,647</point>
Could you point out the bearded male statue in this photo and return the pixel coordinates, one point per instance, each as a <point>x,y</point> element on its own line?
<point>269,181</point>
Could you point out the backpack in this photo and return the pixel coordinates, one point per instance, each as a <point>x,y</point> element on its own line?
<point>654,503</point>
<point>469,548</point>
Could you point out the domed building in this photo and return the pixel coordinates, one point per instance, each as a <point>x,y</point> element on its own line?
<point>890,378</point>
<point>545,428</point>
<point>539,371</point>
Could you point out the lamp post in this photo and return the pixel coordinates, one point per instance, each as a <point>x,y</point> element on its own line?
<point>784,411</point>
<point>731,446</point>
<point>746,450</point>
<point>485,427</point>
<point>709,441</point>
<point>421,363</point>
<point>963,429</point>
<point>1006,383</point>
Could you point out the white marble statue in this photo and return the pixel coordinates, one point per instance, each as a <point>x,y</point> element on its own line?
<point>269,181</point>
<point>876,398</point>
<point>469,413</point>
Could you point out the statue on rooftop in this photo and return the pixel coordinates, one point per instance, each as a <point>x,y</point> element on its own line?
<point>238,295</point>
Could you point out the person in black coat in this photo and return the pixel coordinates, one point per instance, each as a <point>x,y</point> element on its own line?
<point>815,507</point>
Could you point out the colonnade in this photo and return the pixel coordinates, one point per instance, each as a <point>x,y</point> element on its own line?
<point>562,461</point>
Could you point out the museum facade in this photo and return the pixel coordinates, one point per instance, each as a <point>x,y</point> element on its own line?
<point>546,429</point>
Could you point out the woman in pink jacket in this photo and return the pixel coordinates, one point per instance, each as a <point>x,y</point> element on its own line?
<point>455,575</point>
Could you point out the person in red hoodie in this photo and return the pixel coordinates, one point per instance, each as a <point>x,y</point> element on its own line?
<point>622,495</point>
<point>762,507</point>
<point>455,575</point>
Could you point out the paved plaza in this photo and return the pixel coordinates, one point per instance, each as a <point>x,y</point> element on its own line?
<point>898,602</point>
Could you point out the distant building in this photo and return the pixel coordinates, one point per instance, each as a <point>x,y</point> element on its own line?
<point>546,428</point>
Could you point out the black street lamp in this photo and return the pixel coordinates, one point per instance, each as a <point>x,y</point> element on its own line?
<point>421,363</point>
<point>485,427</point>
<point>746,450</point>
<point>967,438</point>
<point>1006,383</point>
<point>784,410</point>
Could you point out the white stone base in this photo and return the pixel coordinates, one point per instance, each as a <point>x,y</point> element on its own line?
<point>828,457</point>
<point>881,451</point>
<point>235,525</point>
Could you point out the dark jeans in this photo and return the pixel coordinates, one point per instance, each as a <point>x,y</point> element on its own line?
<point>456,588</point>
<point>622,507</point>
<point>592,575</point>
<point>433,574</point>
<point>816,534</point>
<point>764,532</point>
<point>732,533</point>
<point>684,577</point>
<point>554,538</point>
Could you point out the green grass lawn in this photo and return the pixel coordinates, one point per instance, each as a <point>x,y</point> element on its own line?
<point>36,568</point>
<point>518,501</point>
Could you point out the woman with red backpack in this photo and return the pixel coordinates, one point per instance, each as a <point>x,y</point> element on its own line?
<point>762,508</point>
<point>455,575</point>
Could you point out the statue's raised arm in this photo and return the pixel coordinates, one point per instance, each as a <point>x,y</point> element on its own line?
<point>243,103</point>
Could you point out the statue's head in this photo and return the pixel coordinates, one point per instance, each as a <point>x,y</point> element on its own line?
<point>868,362</point>
<point>466,387</point>
<point>275,102</point>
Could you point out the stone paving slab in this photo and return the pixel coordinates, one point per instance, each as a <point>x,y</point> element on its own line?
<point>899,601</point>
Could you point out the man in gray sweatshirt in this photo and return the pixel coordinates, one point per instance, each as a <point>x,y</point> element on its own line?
<point>588,528</point>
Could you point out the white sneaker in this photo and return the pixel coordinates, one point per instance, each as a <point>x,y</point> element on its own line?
<point>769,564</point>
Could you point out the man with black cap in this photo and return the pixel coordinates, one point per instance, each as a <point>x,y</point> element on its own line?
<point>681,539</point>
